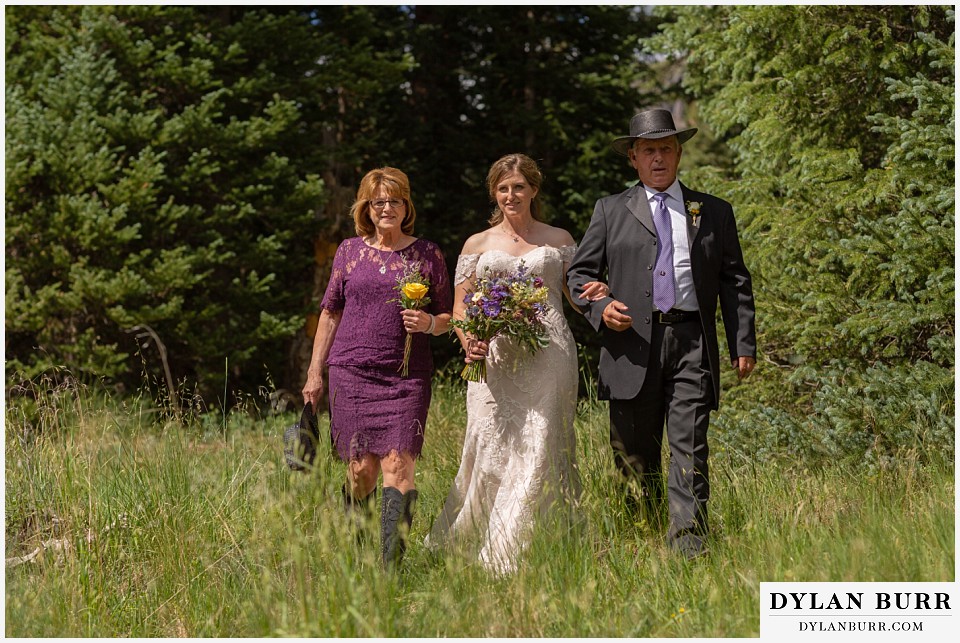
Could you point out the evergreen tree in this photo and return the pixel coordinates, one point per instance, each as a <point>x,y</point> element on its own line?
<point>841,120</point>
<point>179,176</point>
<point>557,83</point>
<point>163,182</point>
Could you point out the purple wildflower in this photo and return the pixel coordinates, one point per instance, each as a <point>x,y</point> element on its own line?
<point>491,308</point>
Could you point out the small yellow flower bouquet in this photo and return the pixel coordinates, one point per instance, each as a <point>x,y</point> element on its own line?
<point>413,288</point>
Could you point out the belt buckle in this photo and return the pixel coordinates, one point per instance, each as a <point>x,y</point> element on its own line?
<point>671,318</point>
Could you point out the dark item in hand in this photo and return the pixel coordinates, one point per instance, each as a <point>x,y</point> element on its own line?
<point>300,440</point>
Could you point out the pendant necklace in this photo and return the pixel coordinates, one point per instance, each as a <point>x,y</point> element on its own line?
<point>513,235</point>
<point>383,264</point>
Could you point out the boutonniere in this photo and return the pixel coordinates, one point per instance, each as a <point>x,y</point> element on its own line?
<point>693,209</point>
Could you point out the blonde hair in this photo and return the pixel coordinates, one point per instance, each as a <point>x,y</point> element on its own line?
<point>506,165</point>
<point>396,184</point>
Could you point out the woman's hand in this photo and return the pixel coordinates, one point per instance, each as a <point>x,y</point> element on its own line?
<point>313,389</point>
<point>327,327</point>
<point>416,321</point>
<point>595,290</point>
<point>476,351</point>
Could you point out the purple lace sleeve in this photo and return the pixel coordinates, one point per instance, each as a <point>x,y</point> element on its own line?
<point>334,299</point>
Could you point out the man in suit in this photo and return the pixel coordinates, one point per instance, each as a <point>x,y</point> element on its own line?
<point>668,254</point>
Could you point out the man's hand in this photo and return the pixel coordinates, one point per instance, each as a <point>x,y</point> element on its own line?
<point>744,366</point>
<point>614,317</point>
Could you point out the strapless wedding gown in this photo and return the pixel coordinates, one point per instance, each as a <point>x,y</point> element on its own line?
<point>518,461</point>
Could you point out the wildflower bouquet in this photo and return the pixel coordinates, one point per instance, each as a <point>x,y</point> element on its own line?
<point>412,288</point>
<point>504,304</point>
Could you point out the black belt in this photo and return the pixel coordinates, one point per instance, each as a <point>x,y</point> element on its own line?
<point>675,316</point>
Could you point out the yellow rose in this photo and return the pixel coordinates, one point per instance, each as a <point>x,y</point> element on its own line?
<point>415,291</point>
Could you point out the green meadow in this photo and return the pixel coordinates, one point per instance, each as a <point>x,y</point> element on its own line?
<point>124,522</point>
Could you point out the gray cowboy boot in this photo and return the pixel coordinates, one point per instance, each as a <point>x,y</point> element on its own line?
<point>396,516</point>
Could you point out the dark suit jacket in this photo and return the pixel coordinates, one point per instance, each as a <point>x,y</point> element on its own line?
<point>618,248</point>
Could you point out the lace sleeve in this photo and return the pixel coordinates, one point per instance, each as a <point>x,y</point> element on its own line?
<point>567,253</point>
<point>334,297</point>
<point>466,268</point>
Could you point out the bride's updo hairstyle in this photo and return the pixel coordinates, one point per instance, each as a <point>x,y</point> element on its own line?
<point>507,165</point>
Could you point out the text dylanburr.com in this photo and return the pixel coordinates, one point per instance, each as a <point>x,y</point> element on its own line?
<point>858,611</point>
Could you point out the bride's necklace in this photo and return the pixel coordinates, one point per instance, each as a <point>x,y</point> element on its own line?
<point>514,235</point>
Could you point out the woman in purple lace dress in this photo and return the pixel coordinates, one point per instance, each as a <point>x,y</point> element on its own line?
<point>378,416</point>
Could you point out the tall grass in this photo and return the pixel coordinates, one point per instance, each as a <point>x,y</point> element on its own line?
<point>141,526</point>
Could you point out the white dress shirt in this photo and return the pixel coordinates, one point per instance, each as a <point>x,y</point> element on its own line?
<point>683,275</point>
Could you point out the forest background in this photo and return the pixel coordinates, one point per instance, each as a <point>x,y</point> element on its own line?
<point>178,178</point>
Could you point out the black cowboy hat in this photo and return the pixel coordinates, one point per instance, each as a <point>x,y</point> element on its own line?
<point>653,123</point>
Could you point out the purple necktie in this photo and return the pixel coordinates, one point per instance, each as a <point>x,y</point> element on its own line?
<point>664,287</point>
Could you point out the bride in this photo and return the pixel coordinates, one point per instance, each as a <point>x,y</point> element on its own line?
<point>518,460</point>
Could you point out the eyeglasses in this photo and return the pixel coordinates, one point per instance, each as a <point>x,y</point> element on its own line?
<point>380,204</point>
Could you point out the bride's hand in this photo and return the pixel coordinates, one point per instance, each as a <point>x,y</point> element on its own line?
<point>595,290</point>
<point>476,351</point>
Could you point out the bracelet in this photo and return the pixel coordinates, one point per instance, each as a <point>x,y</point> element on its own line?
<point>433,324</point>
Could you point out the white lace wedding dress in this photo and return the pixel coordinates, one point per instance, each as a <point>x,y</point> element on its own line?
<point>518,459</point>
